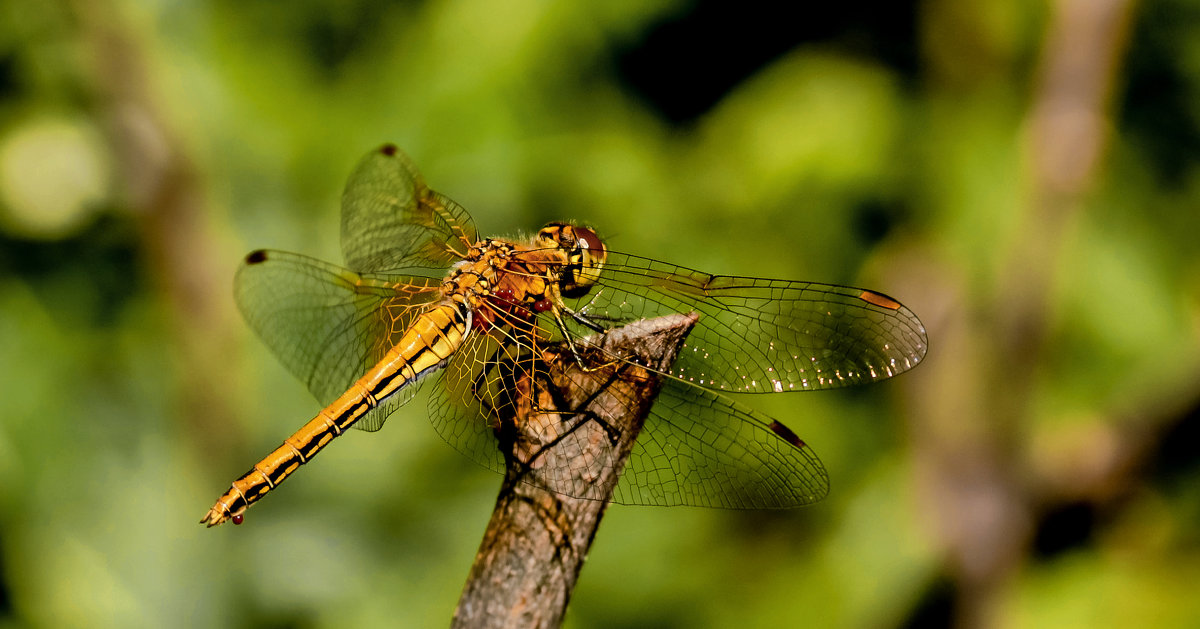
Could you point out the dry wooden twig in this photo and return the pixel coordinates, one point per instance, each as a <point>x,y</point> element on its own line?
<point>537,539</point>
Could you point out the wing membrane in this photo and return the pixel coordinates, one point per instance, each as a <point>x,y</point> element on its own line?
<point>392,221</point>
<point>700,448</point>
<point>487,379</point>
<point>761,335</point>
<point>697,447</point>
<point>327,324</point>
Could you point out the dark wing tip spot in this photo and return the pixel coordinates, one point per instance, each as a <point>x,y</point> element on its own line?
<point>256,257</point>
<point>389,149</point>
<point>786,434</point>
<point>879,299</point>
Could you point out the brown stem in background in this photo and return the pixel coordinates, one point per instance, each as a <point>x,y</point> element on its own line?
<point>971,436</point>
<point>162,188</point>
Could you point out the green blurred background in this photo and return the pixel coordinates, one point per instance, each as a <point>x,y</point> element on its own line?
<point>1024,175</point>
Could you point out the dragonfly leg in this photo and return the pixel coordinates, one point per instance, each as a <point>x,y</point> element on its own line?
<point>585,320</point>
<point>570,339</point>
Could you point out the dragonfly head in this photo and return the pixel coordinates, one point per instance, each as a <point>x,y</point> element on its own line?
<point>585,254</point>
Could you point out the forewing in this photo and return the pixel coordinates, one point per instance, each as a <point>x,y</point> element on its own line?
<point>762,335</point>
<point>392,221</point>
<point>327,324</point>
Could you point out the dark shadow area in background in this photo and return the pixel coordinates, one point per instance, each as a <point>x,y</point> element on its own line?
<point>85,278</point>
<point>6,610</point>
<point>935,608</point>
<point>875,217</point>
<point>1176,463</point>
<point>1063,528</point>
<point>1155,107</point>
<point>10,84</point>
<point>686,63</point>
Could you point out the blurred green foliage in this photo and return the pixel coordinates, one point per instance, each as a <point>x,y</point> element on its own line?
<point>146,146</point>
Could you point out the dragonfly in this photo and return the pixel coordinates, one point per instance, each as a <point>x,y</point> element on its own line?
<point>424,299</point>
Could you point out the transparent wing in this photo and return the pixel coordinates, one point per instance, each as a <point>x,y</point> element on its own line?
<point>762,335</point>
<point>488,378</point>
<point>392,221</point>
<point>696,448</point>
<point>700,448</point>
<point>327,324</point>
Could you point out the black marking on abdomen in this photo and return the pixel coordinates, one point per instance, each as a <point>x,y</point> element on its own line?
<point>238,502</point>
<point>353,414</point>
<point>310,448</point>
<point>256,490</point>
<point>282,471</point>
<point>378,392</point>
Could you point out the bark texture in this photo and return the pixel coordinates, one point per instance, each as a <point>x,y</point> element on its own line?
<point>538,539</point>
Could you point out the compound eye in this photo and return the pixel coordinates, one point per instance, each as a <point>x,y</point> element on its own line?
<point>589,240</point>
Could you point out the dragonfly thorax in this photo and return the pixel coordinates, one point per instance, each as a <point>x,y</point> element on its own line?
<point>503,284</point>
